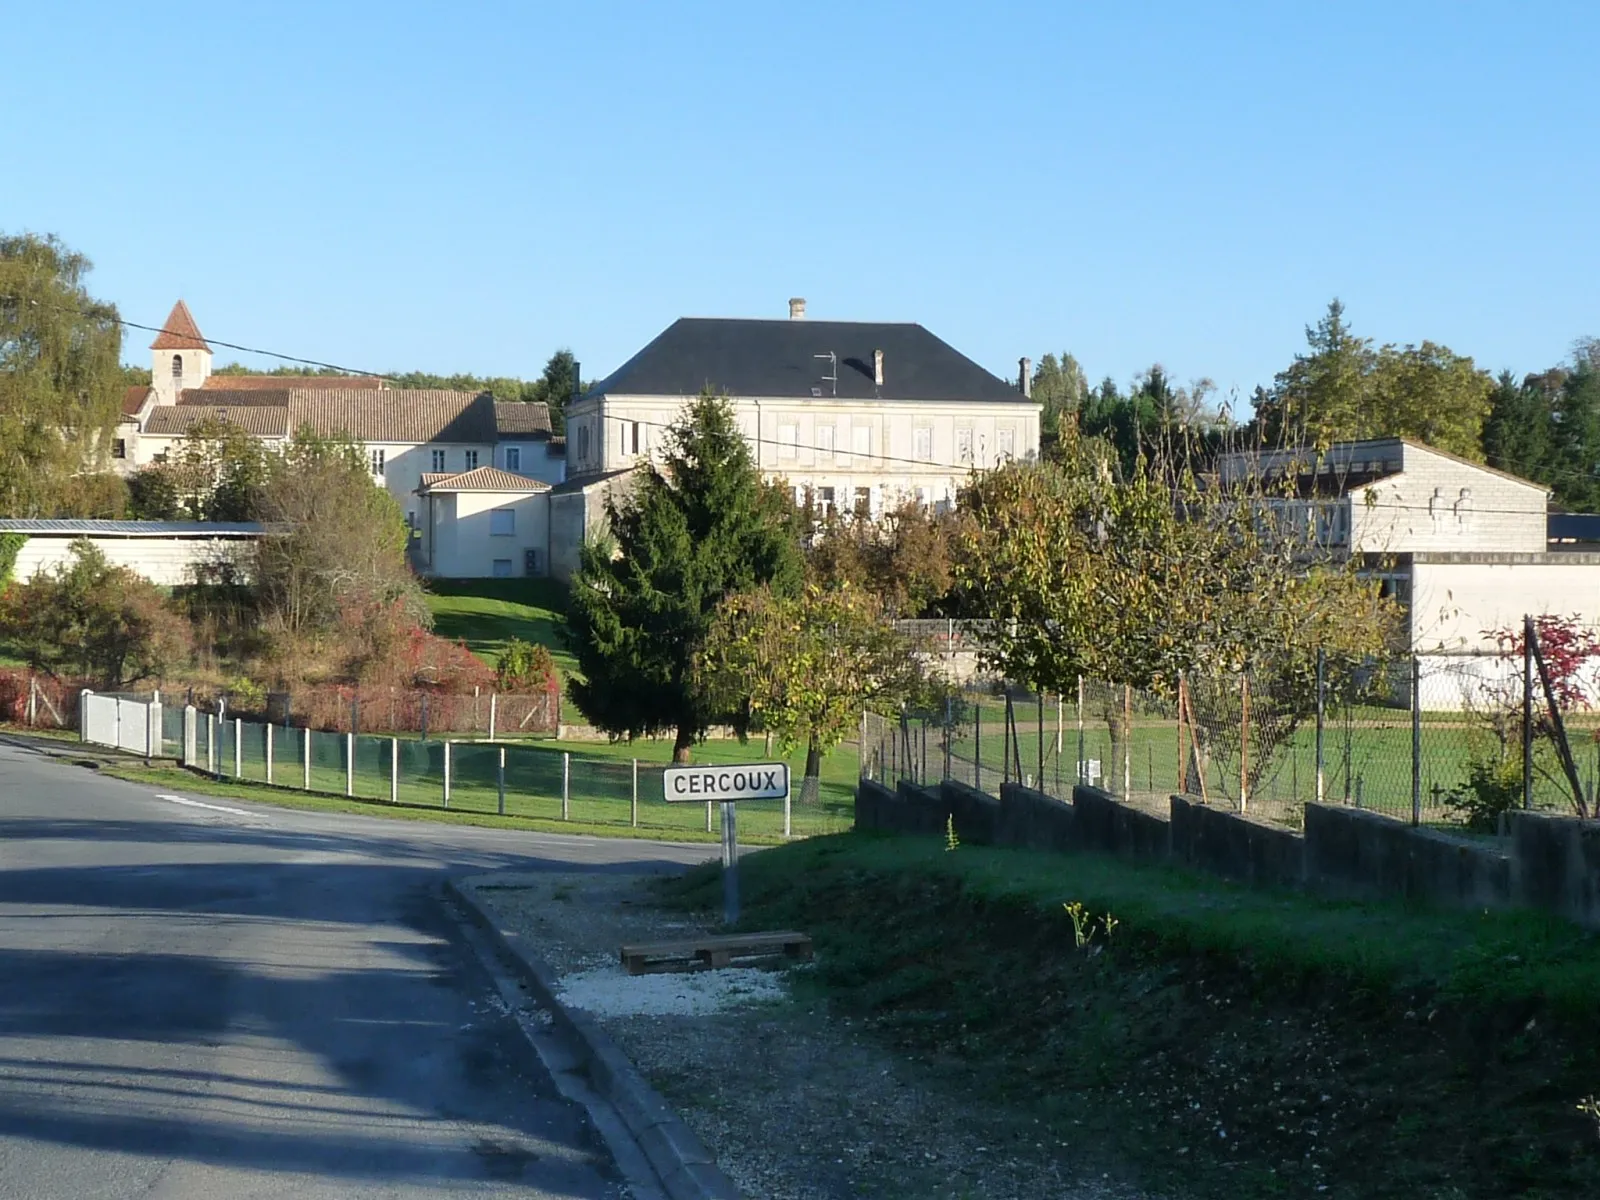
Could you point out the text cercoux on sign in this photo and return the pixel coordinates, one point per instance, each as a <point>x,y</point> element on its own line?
<point>746,781</point>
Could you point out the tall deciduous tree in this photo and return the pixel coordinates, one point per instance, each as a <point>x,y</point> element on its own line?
<point>215,475</point>
<point>804,666</point>
<point>695,530</point>
<point>60,379</point>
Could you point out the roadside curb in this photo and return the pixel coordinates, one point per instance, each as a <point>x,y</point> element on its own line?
<point>686,1169</point>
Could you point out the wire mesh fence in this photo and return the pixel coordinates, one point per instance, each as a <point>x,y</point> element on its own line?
<point>506,779</point>
<point>1432,739</point>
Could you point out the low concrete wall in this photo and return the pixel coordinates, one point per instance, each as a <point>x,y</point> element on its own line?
<point>1556,865</point>
<point>976,814</point>
<point>1034,819</point>
<point>1361,854</point>
<point>1101,822</point>
<point>1211,839</point>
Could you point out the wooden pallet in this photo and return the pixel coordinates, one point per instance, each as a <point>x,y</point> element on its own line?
<point>705,953</point>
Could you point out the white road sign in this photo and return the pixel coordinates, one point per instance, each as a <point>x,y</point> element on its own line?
<point>741,781</point>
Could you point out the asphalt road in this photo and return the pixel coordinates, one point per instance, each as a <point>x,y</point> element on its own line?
<point>218,999</point>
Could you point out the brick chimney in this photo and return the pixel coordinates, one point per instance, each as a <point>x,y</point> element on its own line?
<point>1025,377</point>
<point>797,308</point>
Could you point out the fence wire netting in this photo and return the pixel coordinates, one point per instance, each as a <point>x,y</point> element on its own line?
<point>1435,739</point>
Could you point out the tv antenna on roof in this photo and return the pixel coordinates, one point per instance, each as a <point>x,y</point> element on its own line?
<point>833,367</point>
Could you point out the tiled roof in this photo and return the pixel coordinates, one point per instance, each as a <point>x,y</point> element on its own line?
<point>519,419</point>
<point>304,383</point>
<point>253,397</point>
<point>484,479</point>
<point>791,358</point>
<point>396,415</point>
<point>179,332</point>
<point>172,420</point>
<point>133,399</point>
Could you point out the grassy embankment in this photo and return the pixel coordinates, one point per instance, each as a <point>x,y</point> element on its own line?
<point>1225,1042</point>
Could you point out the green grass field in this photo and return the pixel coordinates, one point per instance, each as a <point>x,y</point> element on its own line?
<point>599,782</point>
<point>488,613</point>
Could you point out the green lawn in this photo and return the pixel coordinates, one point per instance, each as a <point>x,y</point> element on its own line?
<point>488,613</point>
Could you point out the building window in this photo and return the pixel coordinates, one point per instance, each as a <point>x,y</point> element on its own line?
<point>922,497</point>
<point>1007,444</point>
<point>438,460</point>
<point>631,441</point>
<point>502,522</point>
<point>376,457</point>
<point>825,439</point>
<point>923,442</point>
<point>502,568</point>
<point>177,366</point>
<point>788,439</point>
<point>863,502</point>
<point>119,448</point>
<point>964,445</point>
<point>513,458</point>
<point>799,497</point>
<point>861,440</point>
<point>824,502</point>
<point>471,457</point>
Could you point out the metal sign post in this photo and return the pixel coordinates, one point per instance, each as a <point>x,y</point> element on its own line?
<point>728,784</point>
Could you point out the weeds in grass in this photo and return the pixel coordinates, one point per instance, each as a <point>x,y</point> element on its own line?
<point>951,841</point>
<point>1083,925</point>
<point>1589,1106</point>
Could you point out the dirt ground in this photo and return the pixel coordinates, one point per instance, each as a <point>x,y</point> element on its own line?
<point>795,1103</point>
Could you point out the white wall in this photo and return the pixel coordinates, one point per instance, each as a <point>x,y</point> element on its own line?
<point>168,561</point>
<point>196,370</point>
<point>1454,603</point>
<point>536,461</point>
<point>1437,504</point>
<point>462,546</point>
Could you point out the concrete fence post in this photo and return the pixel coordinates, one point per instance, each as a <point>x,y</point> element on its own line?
<point>394,770</point>
<point>500,784</point>
<point>635,808</point>
<point>447,773</point>
<point>152,730</point>
<point>268,735</point>
<point>83,714</point>
<point>349,764</point>
<point>305,761</point>
<point>494,698</point>
<point>211,745</point>
<point>190,738</point>
<point>566,785</point>
<point>238,748</point>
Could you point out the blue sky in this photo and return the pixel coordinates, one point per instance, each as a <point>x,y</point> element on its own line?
<point>465,187</point>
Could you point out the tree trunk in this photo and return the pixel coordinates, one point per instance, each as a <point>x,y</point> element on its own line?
<point>811,785</point>
<point>683,745</point>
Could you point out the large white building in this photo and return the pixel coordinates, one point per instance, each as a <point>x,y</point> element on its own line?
<point>853,416</point>
<point>1464,548</point>
<point>410,437</point>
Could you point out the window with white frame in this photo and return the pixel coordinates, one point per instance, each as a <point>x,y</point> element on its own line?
<point>1007,444</point>
<point>438,460</point>
<point>471,457</point>
<point>824,501</point>
<point>502,522</point>
<point>631,442</point>
<point>376,458</point>
<point>964,444</point>
<point>177,366</point>
<point>861,439</point>
<point>788,439</point>
<point>863,507</point>
<point>513,458</point>
<point>922,443</point>
<point>119,448</point>
<point>825,440</point>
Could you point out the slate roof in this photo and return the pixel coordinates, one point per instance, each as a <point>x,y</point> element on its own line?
<point>396,415</point>
<point>778,359</point>
<point>518,420</point>
<point>173,420</point>
<point>483,479</point>
<point>78,527</point>
<point>179,332</point>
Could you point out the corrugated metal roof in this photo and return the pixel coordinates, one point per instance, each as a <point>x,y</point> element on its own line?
<point>83,527</point>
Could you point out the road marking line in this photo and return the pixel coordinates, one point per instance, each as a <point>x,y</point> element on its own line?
<point>238,812</point>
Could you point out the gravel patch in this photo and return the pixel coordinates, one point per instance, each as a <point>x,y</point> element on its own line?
<point>795,1103</point>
